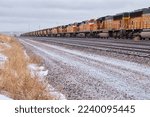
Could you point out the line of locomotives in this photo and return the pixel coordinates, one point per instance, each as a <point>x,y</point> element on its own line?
<point>124,25</point>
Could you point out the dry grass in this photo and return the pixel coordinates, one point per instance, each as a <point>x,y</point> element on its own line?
<point>34,59</point>
<point>1,47</point>
<point>16,79</point>
<point>4,39</point>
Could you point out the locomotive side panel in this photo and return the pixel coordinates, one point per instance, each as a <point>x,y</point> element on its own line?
<point>146,19</point>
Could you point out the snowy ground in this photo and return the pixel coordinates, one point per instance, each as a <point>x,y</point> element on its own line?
<point>42,73</point>
<point>82,75</point>
<point>3,97</point>
<point>2,58</point>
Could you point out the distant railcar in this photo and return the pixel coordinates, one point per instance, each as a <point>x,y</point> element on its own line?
<point>54,32</point>
<point>71,30</point>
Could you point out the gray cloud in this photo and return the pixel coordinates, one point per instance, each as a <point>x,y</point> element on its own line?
<point>25,15</point>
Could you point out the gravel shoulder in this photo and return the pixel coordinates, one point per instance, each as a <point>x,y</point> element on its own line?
<point>80,74</point>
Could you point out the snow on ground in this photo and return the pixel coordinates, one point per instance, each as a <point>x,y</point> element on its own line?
<point>42,73</point>
<point>2,59</point>
<point>119,77</point>
<point>3,97</point>
<point>38,70</point>
<point>56,93</point>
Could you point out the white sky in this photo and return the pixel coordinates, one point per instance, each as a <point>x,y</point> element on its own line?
<point>28,15</point>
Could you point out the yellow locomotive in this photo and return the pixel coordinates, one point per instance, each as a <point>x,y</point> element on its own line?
<point>123,25</point>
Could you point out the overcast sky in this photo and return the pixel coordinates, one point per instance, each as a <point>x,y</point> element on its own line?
<point>28,15</point>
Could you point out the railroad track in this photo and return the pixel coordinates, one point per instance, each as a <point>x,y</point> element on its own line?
<point>110,40</point>
<point>129,45</point>
<point>140,49</point>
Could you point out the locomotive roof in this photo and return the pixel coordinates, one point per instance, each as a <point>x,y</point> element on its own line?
<point>101,19</point>
<point>136,13</point>
<point>64,26</point>
<point>108,17</point>
<point>78,23</point>
<point>146,11</point>
<point>120,15</point>
<point>83,22</point>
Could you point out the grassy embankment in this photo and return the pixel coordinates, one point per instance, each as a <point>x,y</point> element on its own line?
<point>15,78</point>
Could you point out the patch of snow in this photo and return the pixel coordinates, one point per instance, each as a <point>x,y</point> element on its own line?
<point>56,93</point>
<point>37,70</point>
<point>2,58</point>
<point>42,73</point>
<point>3,97</point>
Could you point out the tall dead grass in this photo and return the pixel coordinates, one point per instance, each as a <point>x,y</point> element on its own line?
<point>4,38</point>
<point>16,79</point>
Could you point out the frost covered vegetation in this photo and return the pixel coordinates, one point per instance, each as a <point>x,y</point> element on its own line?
<point>16,80</point>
